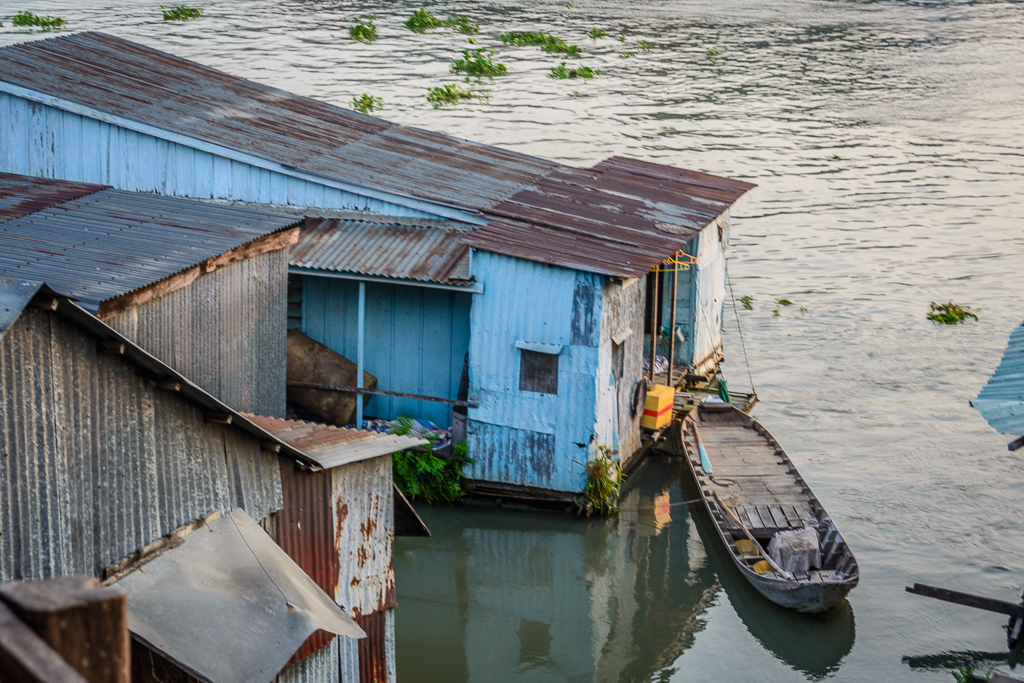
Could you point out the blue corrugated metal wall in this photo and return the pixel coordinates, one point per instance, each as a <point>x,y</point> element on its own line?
<point>416,339</point>
<point>684,308</point>
<point>40,140</point>
<point>523,437</point>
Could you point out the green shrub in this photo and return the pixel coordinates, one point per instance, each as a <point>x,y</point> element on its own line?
<point>603,479</point>
<point>478,63</point>
<point>367,103</point>
<point>46,23</point>
<point>421,474</point>
<point>363,32</point>
<point>181,13</point>
<point>448,94</point>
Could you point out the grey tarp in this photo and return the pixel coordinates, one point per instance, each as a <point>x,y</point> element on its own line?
<point>228,605</point>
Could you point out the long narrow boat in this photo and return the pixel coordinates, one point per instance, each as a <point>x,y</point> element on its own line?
<point>754,492</point>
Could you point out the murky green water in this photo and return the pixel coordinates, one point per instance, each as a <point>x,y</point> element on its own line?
<point>922,102</point>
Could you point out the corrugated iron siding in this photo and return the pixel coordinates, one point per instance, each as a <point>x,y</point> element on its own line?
<point>97,463</point>
<point>226,331</point>
<point>623,309</point>
<point>48,142</point>
<point>305,530</point>
<point>322,666</point>
<point>416,339</point>
<point>511,430</point>
<point>22,195</point>
<point>377,650</point>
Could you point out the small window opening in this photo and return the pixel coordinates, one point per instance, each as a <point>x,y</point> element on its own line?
<point>617,360</point>
<point>538,372</point>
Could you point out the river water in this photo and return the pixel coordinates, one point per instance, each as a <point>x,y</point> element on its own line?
<point>886,140</point>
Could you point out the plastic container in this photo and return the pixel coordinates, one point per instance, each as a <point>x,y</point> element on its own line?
<point>658,407</point>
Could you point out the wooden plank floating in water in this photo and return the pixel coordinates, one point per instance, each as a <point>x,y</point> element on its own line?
<point>968,600</point>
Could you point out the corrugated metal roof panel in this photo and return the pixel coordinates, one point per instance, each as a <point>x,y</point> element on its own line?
<point>21,195</point>
<point>14,296</point>
<point>621,217</point>
<point>112,242</point>
<point>1001,401</point>
<point>333,446</point>
<point>408,248</point>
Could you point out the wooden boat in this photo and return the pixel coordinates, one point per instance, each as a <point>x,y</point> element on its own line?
<point>754,492</point>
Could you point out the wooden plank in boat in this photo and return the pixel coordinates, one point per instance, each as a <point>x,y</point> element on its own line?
<point>779,517</point>
<point>766,515</point>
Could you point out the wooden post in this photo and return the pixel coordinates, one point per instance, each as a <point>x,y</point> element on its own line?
<point>360,341</point>
<point>672,324</point>
<point>25,658</point>
<point>87,626</point>
<point>654,326</point>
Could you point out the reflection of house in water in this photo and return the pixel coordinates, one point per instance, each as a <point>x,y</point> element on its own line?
<point>545,598</point>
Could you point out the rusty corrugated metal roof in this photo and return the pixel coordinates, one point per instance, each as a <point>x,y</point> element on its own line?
<point>408,248</point>
<point>334,446</point>
<point>110,242</point>
<point>621,217</point>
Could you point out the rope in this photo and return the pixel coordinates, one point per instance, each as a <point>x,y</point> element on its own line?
<point>743,343</point>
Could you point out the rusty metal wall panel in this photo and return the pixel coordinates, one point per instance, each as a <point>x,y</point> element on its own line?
<point>305,530</point>
<point>112,242</point>
<point>407,248</point>
<point>364,535</point>
<point>374,665</point>
<point>322,666</point>
<point>226,331</point>
<point>99,463</point>
<point>22,195</point>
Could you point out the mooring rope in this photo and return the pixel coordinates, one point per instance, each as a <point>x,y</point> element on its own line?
<point>743,343</point>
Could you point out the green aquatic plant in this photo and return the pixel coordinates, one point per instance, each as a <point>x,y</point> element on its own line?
<point>950,313</point>
<point>366,103</point>
<point>626,55</point>
<point>644,46</point>
<point>622,37</point>
<point>545,41</point>
<point>596,33</point>
<point>450,94</point>
<point>775,313</point>
<point>421,474</point>
<point>181,13</point>
<point>803,309</point>
<point>968,674</point>
<point>601,494</point>
<point>714,52</point>
<point>835,157</point>
<point>364,32</point>
<point>478,63</point>
<point>784,302</point>
<point>462,23</point>
<point>46,23</point>
<point>748,302</point>
<point>422,21</point>
<point>570,5</point>
<point>561,71</point>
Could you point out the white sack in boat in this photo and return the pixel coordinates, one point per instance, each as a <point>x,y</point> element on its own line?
<point>796,551</point>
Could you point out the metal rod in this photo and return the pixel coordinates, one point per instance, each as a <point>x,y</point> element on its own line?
<point>381,392</point>
<point>359,354</point>
<point>672,327</point>
<point>654,328</point>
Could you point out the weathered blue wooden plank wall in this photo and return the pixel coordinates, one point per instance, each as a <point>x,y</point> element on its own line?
<point>40,140</point>
<point>684,309</point>
<point>416,339</point>
<point>622,313</point>
<point>525,437</point>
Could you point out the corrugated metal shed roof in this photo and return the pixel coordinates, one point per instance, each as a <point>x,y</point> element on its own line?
<point>1001,401</point>
<point>21,195</point>
<point>605,219</point>
<point>110,242</point>
<point>334,446</point>
<point>408,248</point>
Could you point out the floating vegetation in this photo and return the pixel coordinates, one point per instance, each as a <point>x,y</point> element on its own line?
<point>622,37</point>
<point>181,13</point>
<point>462,23</point>
<point>570,5</point>
<point>364,32</point>
<point>450,94</point>
<point>478,63</point>
<point>803,309</point>
<point>422,21</point>
<point>969,674</point>
<point>626,55</point>
<point>421,474</point>
<point>748,303</point>
<point>46,23</point>
<point>714,52</point>
<point>784,302</point>
<point>950,313</point>
<point>366,103</point>
<point>835,157</point>
<point>545,41</point>
<point>561,71</point>
<point>644,47</point>
<point>603,479</point>
<point>775,313</point>
<point>596,33</point>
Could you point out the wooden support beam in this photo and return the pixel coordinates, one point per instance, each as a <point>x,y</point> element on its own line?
<point>968,600</point>
<point>381,392</point>
<point>219,418</point>
<point>271,446</point>
<point>114,347</point>
<point>44,303</point>
<point>654,328</point>
<point>169,385</point>
<point>84,624</point>
<point>26,658</point>
<point>1015,444</point>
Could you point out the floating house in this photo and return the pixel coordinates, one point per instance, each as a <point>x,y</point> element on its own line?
<point>526,291</point>
<point>109,449</point>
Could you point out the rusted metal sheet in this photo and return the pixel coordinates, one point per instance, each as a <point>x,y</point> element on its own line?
<point>111,242</point>
<point>373,655</point>
<point>22,195</point>
<point>304,529</point>
<point>621,217</point>
<point>405,248</point>
<point>334,446</point>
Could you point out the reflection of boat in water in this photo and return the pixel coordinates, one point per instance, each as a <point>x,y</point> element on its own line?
<point>754,493</point>
<point>814,644</point>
